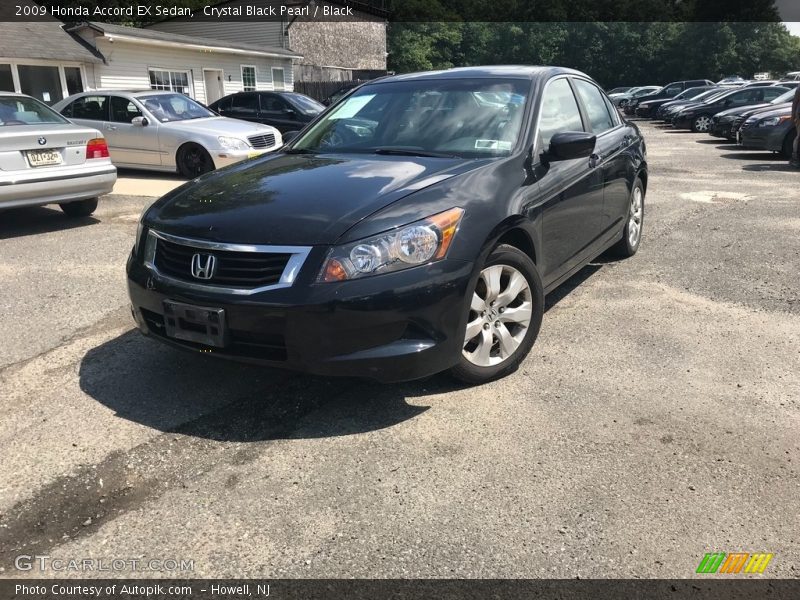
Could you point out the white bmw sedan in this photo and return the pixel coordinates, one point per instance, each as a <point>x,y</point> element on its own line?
<point>45,159</point>
<point>167,131</point>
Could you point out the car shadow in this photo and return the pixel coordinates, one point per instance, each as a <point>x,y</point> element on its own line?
<point>574,282</point>
<point>33,220</point>
<point>777,166</point>
<point>754,155</point>
<point>174,391</point>
<point>716,141</point>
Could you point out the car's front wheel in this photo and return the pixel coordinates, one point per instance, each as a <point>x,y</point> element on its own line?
<point>79,208</point>
<point>701,124</point>
<point>505,314</point>
<point>193,160</point>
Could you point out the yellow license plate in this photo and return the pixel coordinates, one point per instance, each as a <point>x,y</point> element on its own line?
<point>44,158</point>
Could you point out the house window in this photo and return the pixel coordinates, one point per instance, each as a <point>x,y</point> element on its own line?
<point>170,81</point>
<point>41,82</point>
<point>6,79</point>
<point>72,76</point>
<point>278,79</point>
<point>248,78</point>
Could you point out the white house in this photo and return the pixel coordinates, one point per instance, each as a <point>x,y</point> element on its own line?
<point>50,61</point>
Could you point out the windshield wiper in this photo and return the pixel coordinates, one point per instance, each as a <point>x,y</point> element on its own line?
<point>403,151</point>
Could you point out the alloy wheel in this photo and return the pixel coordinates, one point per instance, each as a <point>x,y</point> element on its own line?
<point>499,316</point>
<point>635,217</point>
<point>702,123</point>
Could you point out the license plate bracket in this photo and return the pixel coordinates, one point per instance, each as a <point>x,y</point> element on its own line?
<point>199,324</point>
<point>44,158</point>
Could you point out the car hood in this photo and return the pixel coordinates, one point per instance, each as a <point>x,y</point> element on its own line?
<point>220,126</point>
<point>780,110</point>
<point>740,110</point>
<point>295,199</point>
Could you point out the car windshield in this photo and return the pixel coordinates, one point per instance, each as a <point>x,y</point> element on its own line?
<point>174,107</point>
<point>305,104</point>
<point>20,110</point>
<point>645,91</point>
<point>473,118</point>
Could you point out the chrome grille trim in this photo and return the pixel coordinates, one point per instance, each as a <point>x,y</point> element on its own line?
<point>288,277</point>
<point>266,140</point>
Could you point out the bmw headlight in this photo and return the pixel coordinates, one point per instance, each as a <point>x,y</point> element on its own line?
<point>231,143</point>
<point>415,244</point>
<point>773,121</point>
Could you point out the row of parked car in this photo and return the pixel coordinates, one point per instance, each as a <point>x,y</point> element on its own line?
<point>68,153</point>
<point>755,114</point>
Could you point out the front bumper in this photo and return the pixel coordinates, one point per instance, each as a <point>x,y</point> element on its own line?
<point>764,138</point>
<point>643,111</point>
<point>33,187</point>
<point>723,130</point>
<point>223,158</point>
<point>393,327</point>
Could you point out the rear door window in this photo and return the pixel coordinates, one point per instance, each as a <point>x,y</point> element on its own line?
<point>89,108</point>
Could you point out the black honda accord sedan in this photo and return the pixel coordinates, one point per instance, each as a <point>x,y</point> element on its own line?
<point>414,227</point>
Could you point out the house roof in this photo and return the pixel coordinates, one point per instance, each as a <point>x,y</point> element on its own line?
<point>42,40</point>
<point>163,38</point>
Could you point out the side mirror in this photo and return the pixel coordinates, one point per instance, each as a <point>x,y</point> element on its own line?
<point>140,121</point>
<point>568,145</point>
<point>289,136</point>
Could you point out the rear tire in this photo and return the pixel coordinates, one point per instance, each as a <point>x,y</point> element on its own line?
<point>79,208</point>
<point>504,317</point>
<point>632,233</point>
<point>193,160</point>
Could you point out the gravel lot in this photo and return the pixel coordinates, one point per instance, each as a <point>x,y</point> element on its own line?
<point>656,419</point>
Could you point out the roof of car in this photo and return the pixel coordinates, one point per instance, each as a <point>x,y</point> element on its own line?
<point>484,72</point>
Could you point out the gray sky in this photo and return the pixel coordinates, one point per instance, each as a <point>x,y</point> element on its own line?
<point>794,27</point>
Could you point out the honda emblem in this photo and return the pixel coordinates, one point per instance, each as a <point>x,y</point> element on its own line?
<point>204,266</point>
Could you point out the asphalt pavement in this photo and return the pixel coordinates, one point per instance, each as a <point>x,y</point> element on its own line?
<point>655,420</point>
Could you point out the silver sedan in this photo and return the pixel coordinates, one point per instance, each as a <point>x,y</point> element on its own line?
<point>167,131</point>
<point>45,159</point>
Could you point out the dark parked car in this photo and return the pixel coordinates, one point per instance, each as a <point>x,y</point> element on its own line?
<point>648,108</point>
<point>667,110</point>
<point>286,111</point>
<point>769,130</point>
<point>699,117</point>
<point>726,123</point>
<point>412,229</point>
<point>667,92</point>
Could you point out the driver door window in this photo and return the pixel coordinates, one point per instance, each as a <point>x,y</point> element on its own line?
<point>123,110</point>
<point>559,112</point>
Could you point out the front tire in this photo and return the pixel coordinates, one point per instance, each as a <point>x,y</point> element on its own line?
<point>504,318</point>
<point>701,124</point>
<point>193,160</point>
<point>79,208</point>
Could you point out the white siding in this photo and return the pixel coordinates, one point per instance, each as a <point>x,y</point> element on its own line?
<point>262,33</point>
<point>128,65</point>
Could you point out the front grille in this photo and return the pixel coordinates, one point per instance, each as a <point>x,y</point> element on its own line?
<point>262,141</point>
<point>233,269</point>
<point>749,122</point>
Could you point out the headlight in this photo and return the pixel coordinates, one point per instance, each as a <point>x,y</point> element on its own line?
<point>773,121</point>
<point>415,244</point>
<point>230,143</point>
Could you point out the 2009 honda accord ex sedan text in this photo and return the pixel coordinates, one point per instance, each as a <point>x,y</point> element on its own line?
<point>413,227</point>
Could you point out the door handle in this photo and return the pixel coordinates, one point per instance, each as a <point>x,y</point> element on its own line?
<point>594,160</point>
<point>111,127</point>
